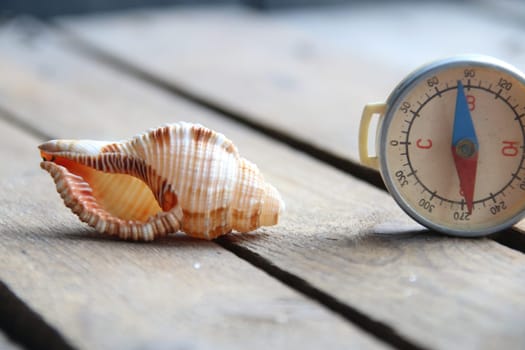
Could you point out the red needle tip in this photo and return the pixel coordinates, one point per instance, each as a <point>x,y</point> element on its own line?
<point>466,168</point>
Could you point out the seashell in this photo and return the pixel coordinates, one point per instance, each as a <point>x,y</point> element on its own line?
<point>177,177</point>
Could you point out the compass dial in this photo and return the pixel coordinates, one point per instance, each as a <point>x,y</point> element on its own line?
<point>452,146</point>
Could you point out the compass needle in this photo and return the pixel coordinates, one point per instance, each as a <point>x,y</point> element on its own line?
<point>450,145</point>
<point>465,147</point>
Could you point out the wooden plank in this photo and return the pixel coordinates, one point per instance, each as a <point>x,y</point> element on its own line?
<point>322,63</point>
<point>318,59</point>
<point>436,291</point>
<point>18,142</point>
<point>103,293</point>
<point>305,73</point>
<point>106,294</point>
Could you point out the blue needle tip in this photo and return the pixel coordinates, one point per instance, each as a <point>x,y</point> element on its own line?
<point>463,125</point>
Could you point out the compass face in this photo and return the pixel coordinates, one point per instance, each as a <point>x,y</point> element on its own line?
<point>452,146</point>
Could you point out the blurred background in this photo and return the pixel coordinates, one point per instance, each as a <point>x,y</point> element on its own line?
<point>52,8</point>
<point>306,67</point>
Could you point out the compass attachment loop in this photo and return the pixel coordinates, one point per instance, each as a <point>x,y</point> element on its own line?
<point>369,111</point>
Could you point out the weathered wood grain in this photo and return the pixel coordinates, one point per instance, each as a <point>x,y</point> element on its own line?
<point>305,73</point>
<point>309,73</point>
<point>22,152</point>
<point>175,293</point>
<point>337,233</point>
<point>101,293</point>
<point>315,69</point>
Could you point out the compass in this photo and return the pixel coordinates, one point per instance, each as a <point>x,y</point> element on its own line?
<point>450,145</point>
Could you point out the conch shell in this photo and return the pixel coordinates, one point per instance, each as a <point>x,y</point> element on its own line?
<point>177,177</point>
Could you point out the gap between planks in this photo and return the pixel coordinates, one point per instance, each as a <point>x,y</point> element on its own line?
<point>366,323</point>
<point>24,317</point>
<point>510,238</point>
<point>347,165</point>
<point>377,329</point>
<point>17,320</point>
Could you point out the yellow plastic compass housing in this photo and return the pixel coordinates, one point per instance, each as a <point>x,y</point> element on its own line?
<point>450,145</point>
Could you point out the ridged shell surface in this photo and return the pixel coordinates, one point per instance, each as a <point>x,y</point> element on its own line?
<point>178,177</point>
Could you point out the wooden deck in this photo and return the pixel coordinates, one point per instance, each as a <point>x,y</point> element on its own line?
<point>345,268</point>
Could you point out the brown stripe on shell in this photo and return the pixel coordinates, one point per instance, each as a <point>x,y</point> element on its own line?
<point>250,222</point>
<point>123,164</point>
<point>230,148</point>
<point>219,224</point>
<point>111,148</point>
<point>201,134</point>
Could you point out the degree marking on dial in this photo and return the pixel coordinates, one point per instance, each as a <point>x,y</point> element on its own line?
<point>448,88</point>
